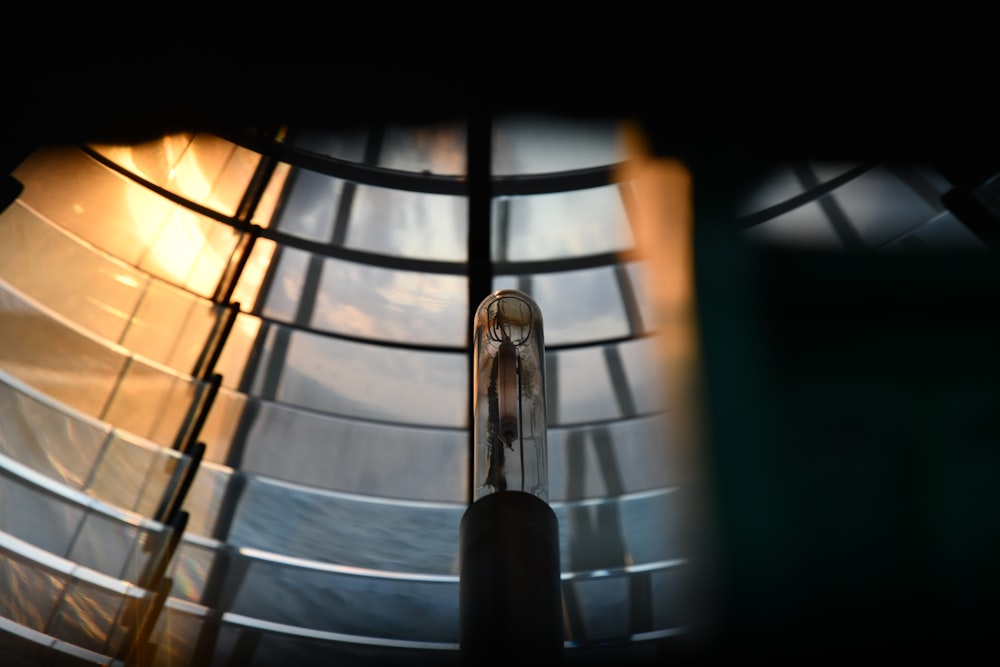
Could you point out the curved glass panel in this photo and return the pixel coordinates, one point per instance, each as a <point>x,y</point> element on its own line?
<point>204,499</point>
<point>439,382</point>
<point>367,381</point>
<point>560,225</point>
<point>579,387</point>
<point>257,269</point>
<point>113,300</point>
<point>408,224</point>
<point>806,226</point>
<point>426,149</point>
<point>238,360</point>
<point>75,526</point>
<point>430,149</point>
<point>287,280</point>
<point>202,168</point>
<point>612,458</point>
<point>411,307</point>
<point>361,604</point>
<point>882,207</point>
<point>57,597</point>
<point>91,617</point>
<point>100,380</point>
<point>341,144</point>
<point>640,360</point>
<point>345,602</point>
<point>582,306</point>
<point>276,644</point>
<point>640,280</point>
<point>359,300</point>
<point>24,647</point>
<point>178,627</point>
<point>114,467</point>
<point>30,590</point>
<point>772,187</point>
<point>263,214</point>
<point>46,438</point>
<point>355,456</point>
<point>126,219</point>
<point>422,538</point>
<point>195,561</point>
<point>309,206</point>
<point>91,288</point>
<point>872,208</point>
<point>221,428</point>
<point>172,327</point>
<point>153,402</point>
<point>137,475</point>
<point>613,607</point>
<point>943,231</point>
<point>541,143</point>
<point>58,361</point>
<point>348,529</point>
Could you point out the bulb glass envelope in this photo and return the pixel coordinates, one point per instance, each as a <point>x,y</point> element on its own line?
<point>509,394</point>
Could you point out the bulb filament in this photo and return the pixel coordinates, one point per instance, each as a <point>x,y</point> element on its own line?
<point>504,394</point>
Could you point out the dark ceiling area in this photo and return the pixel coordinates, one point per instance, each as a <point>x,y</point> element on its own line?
<point>816,87</point>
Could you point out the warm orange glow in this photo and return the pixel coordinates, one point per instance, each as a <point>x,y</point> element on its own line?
<point>183,253</point>
<point>171,235</point>
<point>664,223</point>
<point>253,272</point>
<point>664,227</point>
<point>183,247</point>
<point>202,168</point>
<point>264,212</point>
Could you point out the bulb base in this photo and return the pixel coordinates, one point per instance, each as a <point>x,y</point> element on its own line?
<point>510,588</point>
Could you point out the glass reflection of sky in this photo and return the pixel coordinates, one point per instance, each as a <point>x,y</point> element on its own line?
<point>289,276</point>
<point>876,207</point>
<point>863,201</point>
<point>379,460</point>
<point>407,306</point>
<point>538,143</point>
<point>409,224</point>
<point>566,224</point>
<point>374,382</point>
<point>310,206</point>
<point>580,306</point>
<point>435,149</point>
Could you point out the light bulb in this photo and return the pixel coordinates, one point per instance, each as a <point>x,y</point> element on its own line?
<point>509,394</point>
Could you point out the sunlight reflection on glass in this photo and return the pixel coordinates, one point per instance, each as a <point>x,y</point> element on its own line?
<point>187,248</point>
<point>202,168</point>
